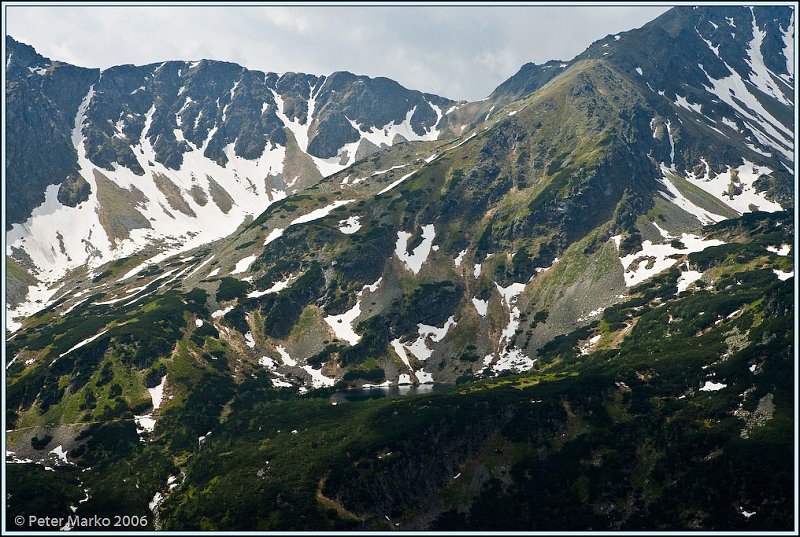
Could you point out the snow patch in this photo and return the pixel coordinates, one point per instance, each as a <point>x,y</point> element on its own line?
<point>512,360</point>
<point>768,130</point>
<point>783,276</point>
<point>593,313</point>
<point>267,362</point>
<point>386,135</point>
<point>683,103</point>
<point>417,258</point>
<point>481,306</point>
<point>655,258</point>
<point>711,386</point>
<point>84,239</point>
<point>401,351</point>
<point>459,258</point>
<point>419,347</point>
<point>686,278</point>
<point>664,233</point>
<point>287,360</point>
<point>745,177</point>
<point>157,393</point>
<point>372,288</point>
<point>59,452</point>
<point>274,235</point>
<point>157,499</point>
<point>760,75</point>
<point>350,225</point>
<point>244,264</point>
<point>783,251</point>
<point>342,325</point>
<point>82,343</point>
<point>424,377</point>
<point>221,313</point>
<point>318,380</point>
<point>277,286</point>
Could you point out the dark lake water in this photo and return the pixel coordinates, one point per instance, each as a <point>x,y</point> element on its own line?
<point>388,392</point>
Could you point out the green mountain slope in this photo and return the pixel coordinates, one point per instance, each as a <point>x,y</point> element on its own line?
<point>671,411</point>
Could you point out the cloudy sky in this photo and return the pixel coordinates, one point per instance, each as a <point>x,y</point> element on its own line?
<point>457,52</point>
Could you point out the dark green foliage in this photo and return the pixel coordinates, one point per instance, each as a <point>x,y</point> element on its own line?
<point>244,245</point>
<point>152,270</point>
<point>469,357</point>
<point>376,335</point>
<point>114,391</point>
<point>155,330</point>
<point>200,413</point>
<point>154,375</point>
<point>618,440</point>
<point>322,357</point>
<point>106,374</point>
<point>237,318</point>
<point>540,317</point>
<point>103,275</point>
<point>37,490</point>
<point>196,301</point>
<point>108,442</point>
<point>206,330</point>
<point>565,344</point>
<point>282,310</point>
<point>362,262</point>
<point>89,401</point>
<point>40,443</point>
<point>430,303</point>
<point>372,375</point>
<point>230,288</point>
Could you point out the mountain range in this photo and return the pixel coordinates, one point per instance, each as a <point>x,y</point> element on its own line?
<point>587,279</point>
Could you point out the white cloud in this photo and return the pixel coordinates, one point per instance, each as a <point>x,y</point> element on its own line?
<point>457,52</point>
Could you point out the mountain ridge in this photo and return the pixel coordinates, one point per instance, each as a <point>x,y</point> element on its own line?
<point>264,149</point>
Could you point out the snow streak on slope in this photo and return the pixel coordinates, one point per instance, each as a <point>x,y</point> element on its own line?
<point>510,358</point>
<point>765,127</point>
<point>788,50</point>
<point>386,135</point>
<point>675,196</point>
<point>299,130</point>
<point>394,184</point>
<point>760,75</point>
<point>319,213</point>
